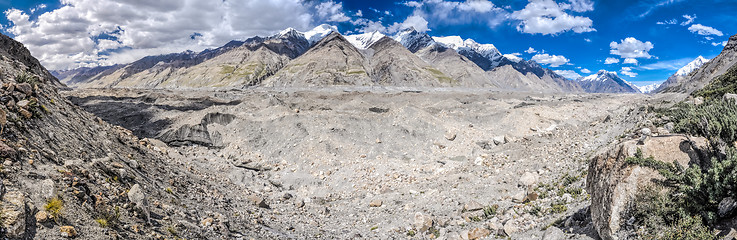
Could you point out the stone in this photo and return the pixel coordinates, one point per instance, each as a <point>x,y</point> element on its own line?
<point>670,126</point>
<point>519,197</point>
<point>13,214</point>
<point>532,196</point>
<point>478,233</point>
<point>727,207</point>
<point>450,136</point>
<point>207,222</point>
<point>375,203</point>
<point>731,96</point>
<point>499,140</point>
<point>23,103</point>
<point>612,183</point>
<point>25,113</point>
<point>528,179</point>
<point>510,228</point>
<point>258,201</point>
<point>698,101</point>
<point>25,88</point>
<point>42,216</point>
<point>646,132</point>
<point>729,234</point>
<point>472,206</point>
<point>6,151</point>
<point>554,233</point>
<point>662,131</point>
<point>422,222</point>
<point>136,196</point>
<point>68,231</point>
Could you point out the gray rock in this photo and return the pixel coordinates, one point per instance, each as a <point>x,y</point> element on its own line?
<point>450,136</point>
<point>646,132</point>
<point>499,140</point>
<point>670,126</point>
<point>528,179</point>
<point>554,233</point>
<point>13,214</point>
<point>258,201</point>
<point>510,228</point>
<point>25,88</point>
<point>698,101</point>
<point>473,206</point>
<point>136,196</point>
<point>727,207</point>
<point>23,103</point>
<point>422,222</point>
<point>731,96</point>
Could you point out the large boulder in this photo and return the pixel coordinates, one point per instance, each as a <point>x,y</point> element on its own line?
<point>613,183</point>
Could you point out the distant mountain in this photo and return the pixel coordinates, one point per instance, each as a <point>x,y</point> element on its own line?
<point>607,82</point>
<point>649,88</point>
<point>704,74</point>
<point>413,40</point>
<point>365,40</point>
<point>681,75</point>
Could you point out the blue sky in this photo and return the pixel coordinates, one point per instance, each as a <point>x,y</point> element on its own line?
<point>660,35</point>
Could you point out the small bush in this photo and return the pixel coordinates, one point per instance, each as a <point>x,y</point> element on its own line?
<point>25,77</point>
<point>558,207</point>
<point>103,222</point>
<point>54,206</point>
<point>490,212</point>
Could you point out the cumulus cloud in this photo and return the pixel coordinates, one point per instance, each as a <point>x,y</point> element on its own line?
<point>552,60</point>
<point>449,13</point>
<point>513,57</point>
<point>630,61</point>
<point>91,32</point>
<point>611,60</point>
<point>530,50</point>
<point>547,17</point>
<point>415,21</point>
<point>332,12</point>
<point>570,74</point>
<point>631,48</point>
<point>585,70</point>
<point>628,71</point>
<point>704,30</point>
<point>581,5</point>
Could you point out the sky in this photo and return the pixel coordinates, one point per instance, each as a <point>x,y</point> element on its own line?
<point>643,41</point>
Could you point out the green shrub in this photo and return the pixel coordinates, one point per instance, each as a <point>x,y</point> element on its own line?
<point>715,120</point>
<point>726,83</point>
<point>25,77</point>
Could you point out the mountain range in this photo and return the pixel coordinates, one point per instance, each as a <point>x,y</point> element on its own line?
<point>324,57</point>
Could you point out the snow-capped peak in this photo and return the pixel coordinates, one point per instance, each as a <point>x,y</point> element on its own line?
<point>319,32</point>
<point>413,40</point>
<point>454,42</point>
<point>693,65</point>
<point>365,40</point>
<point>649,88</point>
<point>600,76</point>
<point>487,51</point>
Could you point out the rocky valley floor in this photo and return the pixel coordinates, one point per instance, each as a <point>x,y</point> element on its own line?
<point>381,164</point>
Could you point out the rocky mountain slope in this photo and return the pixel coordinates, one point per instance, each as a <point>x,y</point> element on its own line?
<point>66,173</point>
<point>706,73</point>
<point>607,82</point>
<point>447,60</point>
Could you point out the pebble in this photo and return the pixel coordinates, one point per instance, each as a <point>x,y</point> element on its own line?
<point>375,203</point>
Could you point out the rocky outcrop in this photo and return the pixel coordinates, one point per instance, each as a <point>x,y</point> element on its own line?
<point>198,134</point>
<point>613,183</point>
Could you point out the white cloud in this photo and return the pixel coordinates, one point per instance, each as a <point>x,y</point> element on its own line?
<point>704,30</point>
<point>418,22</point>
<point>38,7</point>
<point>513,57</point>
<point>582,5</point>
<point>359,13</point>
<point>611,60</point>
<point>628,71</point>
<point>667,65</point>
<point>552,60</point>
<point>450,13</point>
<point>69,37</point>
<point>631,48</point>
<point>587,40</point>
<point>366,25</point>
<point>689,20</point>
<point>724,44</point>
<point>630,61</point>
<point>332,12</point>
<point>548,18</point>
<point>570,74</point>
<point>585,70</point>
<point>530,50</point>
<point>668,22</point>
